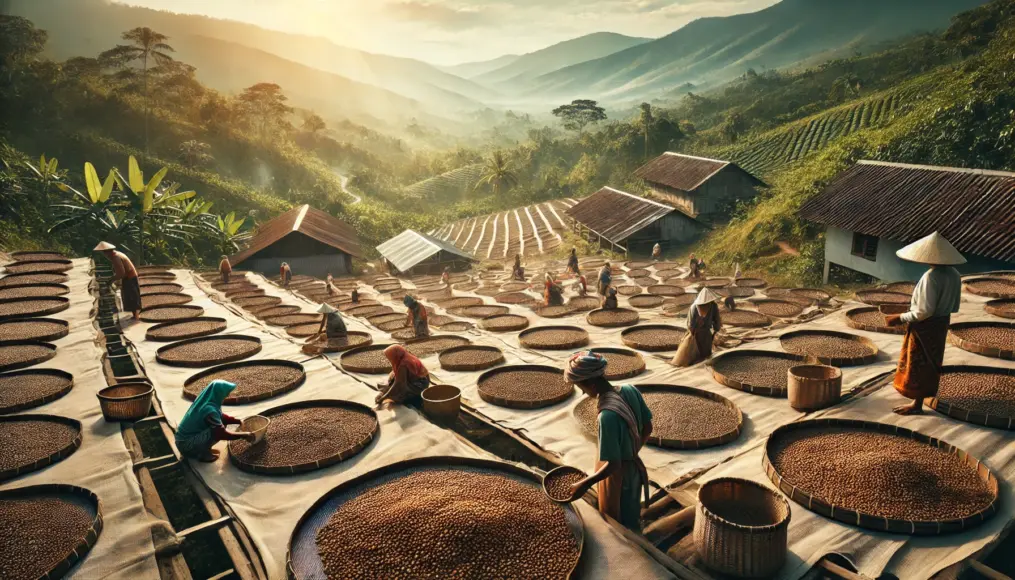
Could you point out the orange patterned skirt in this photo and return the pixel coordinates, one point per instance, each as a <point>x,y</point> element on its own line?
<point>923,352</point>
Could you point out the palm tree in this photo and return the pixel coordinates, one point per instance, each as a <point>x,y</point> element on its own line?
<point>145,44</point>
<point>646,123</point>
<point>498,175</point>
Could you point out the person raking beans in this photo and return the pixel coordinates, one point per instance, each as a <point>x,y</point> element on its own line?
<point>408,378</point>
<point>610,300</point>
<point>225,269</point>
<point>703,323</point>
<point>416,317</point>
<point>332,331</point>
<point>125,274</point>
<point>204,424</point>
<point>937,295</point>
<point>624,424</point>
<point>605,279</point>
<point>553,294</point>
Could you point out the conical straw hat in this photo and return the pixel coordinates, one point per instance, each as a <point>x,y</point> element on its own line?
<point>103,246</point>
<point>933,250</point>
<point>705,296</point>
<point>326,309</point>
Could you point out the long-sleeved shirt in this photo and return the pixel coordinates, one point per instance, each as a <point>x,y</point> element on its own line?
<point>938,293</point>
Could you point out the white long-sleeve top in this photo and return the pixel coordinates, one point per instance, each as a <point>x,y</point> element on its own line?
<point>938,293</point>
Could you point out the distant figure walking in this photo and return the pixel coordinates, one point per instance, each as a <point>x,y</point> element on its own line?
<point>125,274</point>
<point>605,279</point>
<point>285,274</point>
<point>572,262</point>
<point>446,276</point>
<point>225,269</point>
<point>416,317</point>
<point>657,252</point>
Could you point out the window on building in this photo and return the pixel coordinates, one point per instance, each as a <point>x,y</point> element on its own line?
<point>865,247</point>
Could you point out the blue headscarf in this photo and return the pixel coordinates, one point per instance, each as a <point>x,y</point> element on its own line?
<point>209,402</point>
<point>409,301</point>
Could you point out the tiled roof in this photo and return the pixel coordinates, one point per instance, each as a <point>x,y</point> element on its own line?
<point>308,221</point>
<point>684,172</point>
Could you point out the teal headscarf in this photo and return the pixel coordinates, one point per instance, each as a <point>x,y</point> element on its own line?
<point>409,301</point>
<point>208,402</point>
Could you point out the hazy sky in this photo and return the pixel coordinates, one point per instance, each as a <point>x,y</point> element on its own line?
<point>453,31</point>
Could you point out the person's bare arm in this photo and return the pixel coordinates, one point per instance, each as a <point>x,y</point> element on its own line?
<point>605,470</point>
<point>646,432</point>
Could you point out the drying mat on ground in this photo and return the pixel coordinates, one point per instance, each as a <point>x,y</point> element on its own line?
<point>879,476</point>
<point>31,442</point>
<point>303,330</point>
<point>255,380</point>
<point>253,302</point>
<point>478,519</point>
<point>208,351</point>
<point>33,256</point>
<point>638,273</point>
<point>430,345</point>
<point>33,290</point>
<point>165,299</point>
<point>871,320</point>
<point>479,311</point>
<point>352,340</point>
<point>26,307</point>
<point>194,328</point>
<point>996,339</point>
<point>735,291</point>
<point>392,325</point>
<point>638,264</point>
<point>22,279</point>
<point>759,372</point>
<point>382,318</point>
<point>991,287</point>
<point>744,319</point>
<point>751,282</point>
<point>514,287</point>
<point>669,274</point>
<point>553,311</point>
<point>778,308</point>
<point>452,303</point>
<point>287,320</point>
<point>31,388</point>
<point>171,288</point>
<point>472,357</point>
<point>815,294</point>
<point>47,529</point>
<point>306,436</point>
<point>682,417</point>
<point>628,290</point>
<point>583,303</point>
<point>554,337</point>
<point>504,323</point>
<point>665,290</point>
<point>978,395</point>
<point>879,297</point>
<point>467,286</point>
<point>1005,308</point>
<point>653,337</point>
<point>171,313</point>
<point>614,318</point>
<point>457,326</point>
<point>648,281</point>
<point>621,363</point>
<point>347,306</point>
<point>514,298</point>
<point>679,304</point>
<point>901,287</point>
<point>368,310</point>
<point>24,353</point>
<point>838,349</point>
<point>53,266</point>
<point>369,360</point>
<point>776,291</point>
<point>246,294</point>
<point>524,386</point>
<point>43,329</point>
<point>280,310</point>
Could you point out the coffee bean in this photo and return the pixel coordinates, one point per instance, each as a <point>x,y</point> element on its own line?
<point>253,380</point>
<point>525,386</point>
<point>25,389</point>
<point>26,442</point>
<point>37,533</point>
<point>554,338</point>
<point>31,329</point>
<point>558,482</point>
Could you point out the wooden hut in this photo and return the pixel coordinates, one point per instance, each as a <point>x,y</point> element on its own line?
<point>700,187</point>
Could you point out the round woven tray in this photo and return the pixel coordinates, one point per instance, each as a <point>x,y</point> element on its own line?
<point>304,557</point>
<point>991,287</point>
<point>287,320</point>
<point>735,291</point>
<point>386,317</point>
<point>881,477</point>
<point>978,395</point>
<point>583,304</point>
<point>471,357</point>
<point>744,319</point>
<point>20,354</point>
<point>682,417</point>
<point>278,310</point>
<point>871,320</point>
<point>30,388</point>
<point>347,306</point>
<point>33,290</point>
<point>368,360</point>
<point>646,281</point>
<point>666,290</point>
<point>514,286</point>
<point>457,326</point>
<point>32,307</point>
<point>514,298</point>
<point>56,266</point>
<point>553,311</point>
<point>879,297</point>
<point>613,318</point>
<point>479,311</point>
<point>628,290</point>
<point>54,527</point>
<point>254,293</point>
<point>592,263</point>
<point>165,299</point>
<point>638,273</point>
<point>751,283</point>
<point>838,349</point>
<point>553,337</point>
<point>504,323</point>
<point>994,339</point>
<point>208,351</point>
<point>653,337</point>
<point>765,373</point>
<point>32,442</point>
<point>171,313</point>
<point>354,339</point>
<point>42,329</point>
<point>451,303</point>
<point>43,278</point>
<point>153,269</point>
<point>776,291</point>
<point>369,310</point>
<point>901,287</point>
<point>187,329</point>
<point>252,303</point>
<point>645,301</point>
<point>307,436</point>
<point>778,308</point>
<point>638,264</point>
<point>621,363</point>
<point>1005,307</point>
<point>393,325</point>
<point>431,345</point>
<point>169,288</point>
<point>814,294</point>
<point>161,276</point>
<point>487,290</point>
<point>678,304</point>
<point>466,286</point>
<point>220,286</point>
<point>37,256</point>
<point>524,386</point>
<point>387,288</point>
<point>253,379</point>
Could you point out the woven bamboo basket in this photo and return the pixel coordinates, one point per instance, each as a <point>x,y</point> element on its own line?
<point>442,403</point>
<point>621,351</point>
<point>871,349</point>
<point>40,306</point>
<point>853,321</point>
<point>526,341</point>
<point>813,387</point>
<point>958,410</point>
<point>126,401</point>
<point>728,547</point>
<point>35,463</point>
<point>1003,352</point>
<point>494,323</point>
<point>444,354</point>
<point>1005,307</point>
<point>551,399</point>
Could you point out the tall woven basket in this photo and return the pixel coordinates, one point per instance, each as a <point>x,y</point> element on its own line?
<point>745,551</point>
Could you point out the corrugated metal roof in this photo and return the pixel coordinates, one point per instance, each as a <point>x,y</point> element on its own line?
<point>973,209</point>
<point>410,248</point>
<point>617,215</point>
<point>308,221</point>
<point>685,172</point>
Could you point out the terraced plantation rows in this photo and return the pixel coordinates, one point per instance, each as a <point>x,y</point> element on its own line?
<point>453,182</point>
<point>530,230</point>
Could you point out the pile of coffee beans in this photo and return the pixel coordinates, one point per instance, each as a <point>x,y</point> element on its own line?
<point>41,278</point>
<point>26,442</point>
<point>525,386</point>
<point>369,361</point>
<point>435,344</point>
<point>999,336</point>
<point>879,297</point>
<point>681,416</point>
<point>558,482</point>
<point>504,323</point>
<point>989,393</point>
<point>14,356</point>
<point>471,358</point>
<point>210,351</point>
<point>26,389</point>
<point>256,380</point>
<point>170,313</point>
<point>654,338</point>
<point>827,345</point>
<point>38,532</point>
<point>779,308</point>
<point>613,318</point>
<point>55,266</point>
<point>186,329</point>
<point>744,318</point>
<point>554,337</point>
<point>32,307</point>
<point>755,367</point>
<point>621,363</point>
<point>479,311</point>
<point>164,299</point>
<point>33,290</point>
<point>32,329</point>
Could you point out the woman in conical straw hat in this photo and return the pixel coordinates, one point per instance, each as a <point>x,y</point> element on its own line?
<point>935,298</point>
<point>703,322</point>
<point>332,331</point>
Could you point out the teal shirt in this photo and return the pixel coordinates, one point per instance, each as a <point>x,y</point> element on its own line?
<point>615,445</point>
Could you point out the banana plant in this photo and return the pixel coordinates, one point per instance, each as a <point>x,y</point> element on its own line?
<point>229,234</point>
<point>151,202</point>
<point>93,206</point>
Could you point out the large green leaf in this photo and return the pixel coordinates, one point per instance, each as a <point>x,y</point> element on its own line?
<point>92,182</point>
<point>52,166</point>
<point>136,177</point>
<point>177,197</point>
<point>235,226</point>
<point>149,192</point>
<point>107,187</point>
